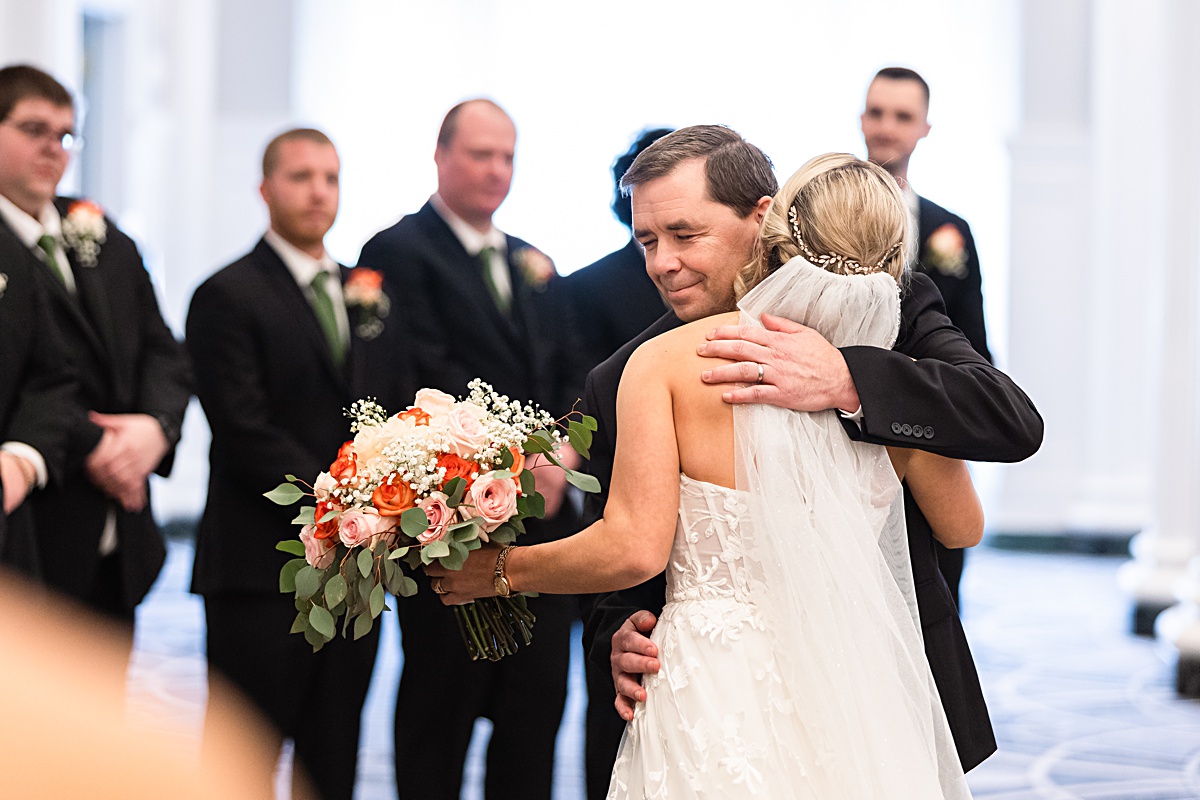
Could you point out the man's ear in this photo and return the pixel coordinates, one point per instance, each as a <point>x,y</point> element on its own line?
<point>262,191</point>
<point>760,209</point>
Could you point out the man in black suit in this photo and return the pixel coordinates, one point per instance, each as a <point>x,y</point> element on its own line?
<point>886,397</point>
<point>98,539</point>
<point>614,298</point>
<point>493,309</point>
<point>38,400</point>
<point>894,120</point>
<point>280,349</point>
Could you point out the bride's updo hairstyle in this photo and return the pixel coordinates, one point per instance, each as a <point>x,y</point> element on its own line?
<point>838,212</point>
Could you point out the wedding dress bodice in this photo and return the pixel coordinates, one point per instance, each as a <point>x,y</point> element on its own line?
<point>707,555</point>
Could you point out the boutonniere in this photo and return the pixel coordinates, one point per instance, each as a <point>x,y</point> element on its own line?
<point>3,283</point>
<point>536,267</point>
<point>946,251</point>
<point>363,291</point>
<point>84,230</point>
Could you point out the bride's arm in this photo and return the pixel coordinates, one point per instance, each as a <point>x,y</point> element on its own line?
<point>943,491</point>
<point>632,543</point>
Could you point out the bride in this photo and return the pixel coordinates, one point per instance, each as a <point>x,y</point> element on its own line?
<point>792,661</point>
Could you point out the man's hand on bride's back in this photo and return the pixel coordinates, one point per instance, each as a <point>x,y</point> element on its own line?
<point>800,369</point>
<point>633,655</point>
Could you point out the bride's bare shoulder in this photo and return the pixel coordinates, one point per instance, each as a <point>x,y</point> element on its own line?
<point>683,340</point>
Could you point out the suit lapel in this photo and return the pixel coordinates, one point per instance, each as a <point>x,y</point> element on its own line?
<point>467,271</point>
<point>58,293</point>
<point>291,296</point>
<point>357,351</point>
<point>93,296</point>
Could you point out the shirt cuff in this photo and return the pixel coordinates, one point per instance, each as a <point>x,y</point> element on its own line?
<point>30,454</point>
<point>854,416</point>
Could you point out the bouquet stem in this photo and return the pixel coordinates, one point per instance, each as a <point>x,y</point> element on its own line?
<point>490,627</point>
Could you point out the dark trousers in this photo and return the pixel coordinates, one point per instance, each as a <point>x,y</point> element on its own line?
<point>315,699</point>
<point>442,692</point>
<point>604,728</point>
<point>950,563</point>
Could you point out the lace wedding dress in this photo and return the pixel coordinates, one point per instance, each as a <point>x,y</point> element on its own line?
<point>791,653</point>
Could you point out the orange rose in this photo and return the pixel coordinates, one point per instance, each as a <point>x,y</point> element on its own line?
<point>457,467</point>
<point>518,465</point>
<point>346,449</point>
<point>324,530</point>
<point>418,416</point>
<point>346,466</point>
<point>393,497</point>
<point>370,280</point>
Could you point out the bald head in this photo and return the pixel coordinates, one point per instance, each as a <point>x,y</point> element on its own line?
<point>474,158</point>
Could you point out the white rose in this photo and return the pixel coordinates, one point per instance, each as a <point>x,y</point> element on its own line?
<point>465,429</point>
<point>323,486</point>
<point>433,402</point>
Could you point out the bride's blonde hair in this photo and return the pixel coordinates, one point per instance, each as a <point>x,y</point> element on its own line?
<point>838,211</point>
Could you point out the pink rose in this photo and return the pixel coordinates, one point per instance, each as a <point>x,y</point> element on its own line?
<point>440,516</point>
<point>467,434</point>
<point>495,501</point>
<point>356,526</point>
<point>315,551</point>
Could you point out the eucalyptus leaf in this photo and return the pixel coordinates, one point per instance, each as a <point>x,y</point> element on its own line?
<point>465,533</point>
<point>414,522</point>
<point>284,494</point>
<point>582,480</point>
<point>455,558</point>
<point>364,562</point>
<point>378,600</point>
<point>588,422</point>
<point>293,546</point>
<point>436,549</point>
<point>528,482</point>
<point>328,515</point>
<point>454,492</point>
<point>308,582</point>
<point>580,439</point>
<point>537,445</point>
<point>408,587</point>
<point>301,623</point>
<point>506,458</point>
<point>502,474</point>
<point>290,478</point>
<point>307,516</point>
<point>287,575</point>
<point>503,535</point>
<point>399,552</point>
<point>321,621</point>
<point>537,505</point>
<point>335,591</point>
<point>474,544</point>
<point>362,625</point>
<point>315,639</point>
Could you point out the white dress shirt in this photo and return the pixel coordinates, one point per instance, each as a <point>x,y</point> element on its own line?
<point>304,268</point>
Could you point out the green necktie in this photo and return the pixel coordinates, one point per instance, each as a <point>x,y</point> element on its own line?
<point>48,245</point>
<point>485,259</point>
<point>322,305</point>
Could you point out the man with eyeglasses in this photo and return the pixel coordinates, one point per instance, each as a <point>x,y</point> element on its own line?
<point>97,539</point>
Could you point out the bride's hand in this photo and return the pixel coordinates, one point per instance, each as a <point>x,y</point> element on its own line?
<point>474,580</point>
<point>633,655</point>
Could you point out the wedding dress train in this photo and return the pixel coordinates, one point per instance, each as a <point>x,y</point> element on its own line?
<point>791,653</point>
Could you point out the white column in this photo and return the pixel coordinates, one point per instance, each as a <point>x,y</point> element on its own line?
<point>1178,475</point>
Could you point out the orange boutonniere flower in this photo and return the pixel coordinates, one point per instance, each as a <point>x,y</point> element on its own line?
<point>946,251</point>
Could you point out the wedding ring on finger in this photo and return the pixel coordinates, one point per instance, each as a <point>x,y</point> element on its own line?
<point>436,585</point>
<point>759,379</point>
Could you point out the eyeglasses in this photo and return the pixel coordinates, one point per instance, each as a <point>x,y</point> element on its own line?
<point>41,132</point>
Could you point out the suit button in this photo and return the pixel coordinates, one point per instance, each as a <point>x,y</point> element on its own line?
<point>917,432</point>
<point>906,429</point>
<point>928,432</point>
<point>896,428</point>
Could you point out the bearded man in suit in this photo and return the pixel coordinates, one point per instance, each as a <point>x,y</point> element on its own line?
<point>894,120</point>
<point>493,309</point>
<point>696,196</point>
<point>98,539</point>
<point>283,340</point>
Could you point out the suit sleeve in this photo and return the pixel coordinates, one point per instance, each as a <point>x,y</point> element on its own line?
<point>222,343</point>
<point>964,407</point>
<point>165,376</point>
<point>48,396</point>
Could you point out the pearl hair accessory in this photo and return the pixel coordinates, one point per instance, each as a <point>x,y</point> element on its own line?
<point>835,262</point>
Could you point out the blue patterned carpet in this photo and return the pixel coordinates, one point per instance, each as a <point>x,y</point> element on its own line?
<point>1082,709</point>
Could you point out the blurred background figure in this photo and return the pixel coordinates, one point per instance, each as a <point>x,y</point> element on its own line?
<point>894,120</point>
<point>614,298</point>
<point>280,349</point>
<point>481,304</point>
<point>99,542</point>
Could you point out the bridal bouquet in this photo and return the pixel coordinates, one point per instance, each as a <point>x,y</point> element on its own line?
<point>431,483</point>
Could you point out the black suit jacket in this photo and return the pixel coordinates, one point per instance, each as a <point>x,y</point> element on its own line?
<point>127,361</point>
<point>958,280</point>
<point>274,400</point>
<point>39,403</point>
<point>973,410</point>
<point>614,301</point>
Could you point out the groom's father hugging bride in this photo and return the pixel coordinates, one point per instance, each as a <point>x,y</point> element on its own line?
<point>912,396</point>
